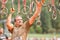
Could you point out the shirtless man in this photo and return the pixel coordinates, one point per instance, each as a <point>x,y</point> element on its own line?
<point>19,30</point>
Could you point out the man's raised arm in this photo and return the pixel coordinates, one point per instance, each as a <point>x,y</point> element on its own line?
<point>38,10</point>
<point>8,21</point>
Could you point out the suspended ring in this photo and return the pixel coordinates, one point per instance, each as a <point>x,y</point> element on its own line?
<point>54,16</point>
<point>4,10</point>
<point>26,10</point>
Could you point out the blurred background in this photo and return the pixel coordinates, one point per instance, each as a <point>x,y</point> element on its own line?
<point>47,24</point>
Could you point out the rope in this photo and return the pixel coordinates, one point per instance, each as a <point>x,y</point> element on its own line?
<point>12,3</point>
<point>24,4</point>
<point>31,6</point>
<point>12,9</point>
<point>54,15</point>
<point>18,6</point>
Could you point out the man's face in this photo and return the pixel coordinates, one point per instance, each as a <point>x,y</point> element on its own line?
<point>18,21</point>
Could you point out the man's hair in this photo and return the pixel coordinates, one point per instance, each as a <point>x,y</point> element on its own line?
<point>16,17</point>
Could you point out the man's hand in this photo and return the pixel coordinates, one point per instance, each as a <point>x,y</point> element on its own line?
<point>37,12</point>
<point>8,21</point>
<point>12,10</point>
<point>39,4</point>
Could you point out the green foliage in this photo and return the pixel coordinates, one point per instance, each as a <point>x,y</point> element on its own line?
<point>48,25</point>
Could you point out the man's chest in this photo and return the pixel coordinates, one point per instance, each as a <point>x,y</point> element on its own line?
<point>19,31</point>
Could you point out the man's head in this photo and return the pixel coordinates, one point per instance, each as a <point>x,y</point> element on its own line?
<point>18,21</point>
<point>1,30</point>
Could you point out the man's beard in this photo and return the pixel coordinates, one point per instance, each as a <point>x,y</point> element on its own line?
<point>18,25</point>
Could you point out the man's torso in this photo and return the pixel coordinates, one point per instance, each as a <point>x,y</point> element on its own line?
<point>21,32</point>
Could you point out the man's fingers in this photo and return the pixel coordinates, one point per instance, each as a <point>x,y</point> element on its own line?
<point>42,2</point>
<point>12,10</point>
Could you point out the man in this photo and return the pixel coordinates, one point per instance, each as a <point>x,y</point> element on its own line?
<point>19,30</point>
<point>2,36</point>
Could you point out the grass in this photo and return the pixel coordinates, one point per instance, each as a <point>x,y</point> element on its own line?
<point>44,35</point>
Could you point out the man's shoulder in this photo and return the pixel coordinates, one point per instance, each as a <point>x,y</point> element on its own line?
<point>26,24</point>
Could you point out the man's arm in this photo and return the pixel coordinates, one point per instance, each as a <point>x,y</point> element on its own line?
<point>38,10</point>
<point>8,21</point>
<point>36,13</point>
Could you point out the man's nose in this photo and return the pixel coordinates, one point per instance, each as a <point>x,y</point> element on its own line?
<point>19,21</point>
